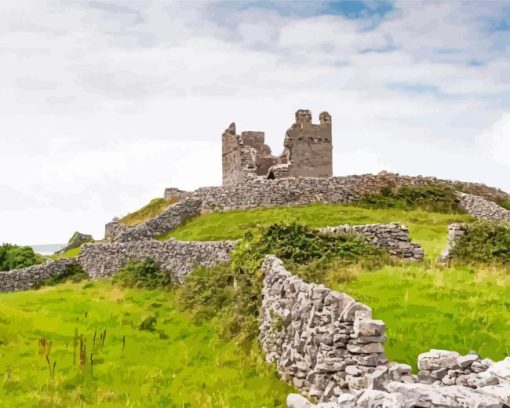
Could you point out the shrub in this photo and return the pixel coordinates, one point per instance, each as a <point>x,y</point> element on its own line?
<point>429,197</point>
<point>484,242</point>
<point>142,274</point>
<point>15,257</point>
<point>72,273</point>
<point>233,292</point>
<point>504,203</point>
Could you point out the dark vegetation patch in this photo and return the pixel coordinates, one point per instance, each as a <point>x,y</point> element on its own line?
<point>484,243</point>
<point>15,257</point>
<point>429,197</point>
<point>142,274</point>
<point>232,293</point>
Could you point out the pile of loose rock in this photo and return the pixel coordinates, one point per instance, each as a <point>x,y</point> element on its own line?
<point>489,388</point>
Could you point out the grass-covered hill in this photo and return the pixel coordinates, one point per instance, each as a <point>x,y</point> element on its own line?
<point>101,344</point>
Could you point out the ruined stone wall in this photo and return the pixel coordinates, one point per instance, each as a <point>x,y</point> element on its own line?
<point>27,278</point>
<point>259,192</point>
<point>309,146</point>
<point>393,237</point>
<point>455,232</point>
<point>169,219</point>
<point>328,346</point>
<point>295,191</point>
<point>176,257</point>
<point>482,208</point>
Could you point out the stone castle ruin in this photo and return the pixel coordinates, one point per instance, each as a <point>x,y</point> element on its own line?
<point>308,152</point>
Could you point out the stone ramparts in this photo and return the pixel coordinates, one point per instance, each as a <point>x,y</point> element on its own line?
<point>261,192</point>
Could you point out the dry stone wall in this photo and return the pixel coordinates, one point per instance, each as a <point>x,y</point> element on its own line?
<point>455,232</point>
<point>27,278</point>
<point>261,192</point>
<point>176,257</point>
<point>169,219</point>
<point>328,346</point>
<point>482,208</point>
<point>393,237</point>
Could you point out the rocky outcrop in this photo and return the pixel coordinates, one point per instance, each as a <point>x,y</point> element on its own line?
<point>482,208</point>
<point>27,278</point>
<point>393,237</point>
<point>176,257</point>
<point>76,241</point>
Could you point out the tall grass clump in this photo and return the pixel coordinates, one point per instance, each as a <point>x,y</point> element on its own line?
<point>232,293</point>
<point>428,197</point>
<point>484,243</point>
<point>142,274</point>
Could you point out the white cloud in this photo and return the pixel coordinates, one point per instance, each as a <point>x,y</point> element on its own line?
<point>496,140</point>
<point>106,103</point>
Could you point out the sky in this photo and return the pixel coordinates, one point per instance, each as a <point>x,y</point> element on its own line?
<point>105,103</point>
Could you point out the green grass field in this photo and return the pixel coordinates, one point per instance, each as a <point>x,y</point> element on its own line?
<point>424,305</point>
<point>178,364</point>
<point>151,210</point>
<point>429,229</point>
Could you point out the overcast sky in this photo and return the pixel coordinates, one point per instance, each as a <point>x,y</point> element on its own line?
<point>105,103</point>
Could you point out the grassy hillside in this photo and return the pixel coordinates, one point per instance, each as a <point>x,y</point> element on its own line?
<point>170,363</point>
<point>424,305</point>
<point>427,228</point>
<point>151,210</point>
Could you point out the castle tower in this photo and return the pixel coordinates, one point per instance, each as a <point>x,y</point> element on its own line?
<point>308,152</point>
<point>308,146</point>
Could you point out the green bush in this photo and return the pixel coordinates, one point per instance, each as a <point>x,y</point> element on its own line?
<point>429,197</point>
<point>15,257</point>
<point>484,243</point>
<point>142,274</point>
<point>72,273</point>
<point>233,292</point>
<point>504,203</point>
